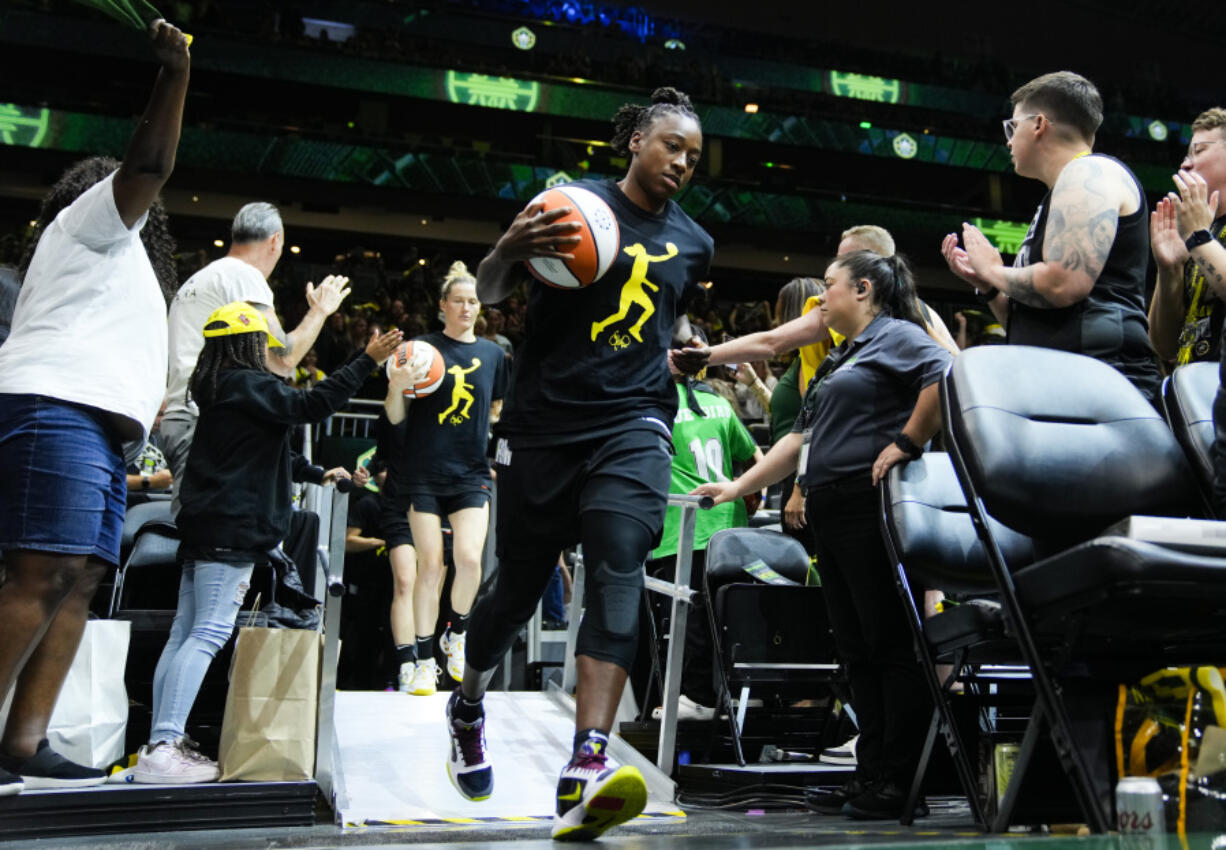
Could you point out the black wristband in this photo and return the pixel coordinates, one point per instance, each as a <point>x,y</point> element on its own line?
<point>987,295</point>
<point>908,446</point>
<point>1198,238</point>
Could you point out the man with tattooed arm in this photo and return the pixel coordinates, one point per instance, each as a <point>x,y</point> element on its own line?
<point>1078,281</point>
<point>1186,232</point>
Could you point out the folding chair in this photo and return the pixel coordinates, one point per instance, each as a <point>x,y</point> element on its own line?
<point>135,519</point>
<point>764,634</point>
<point>156,547</point>
<point>931,540</point>
<point>1187,396</point>
<point>1058,447</point>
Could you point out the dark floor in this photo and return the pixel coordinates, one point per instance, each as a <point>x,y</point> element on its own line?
<point>949,825</point>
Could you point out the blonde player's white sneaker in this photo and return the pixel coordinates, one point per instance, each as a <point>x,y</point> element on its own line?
<point>453,646</point>
<point>425,678</point>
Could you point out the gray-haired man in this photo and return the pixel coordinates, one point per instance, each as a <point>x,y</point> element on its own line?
<point>257,240</point>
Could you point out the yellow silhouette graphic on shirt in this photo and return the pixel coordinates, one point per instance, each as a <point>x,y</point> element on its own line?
<point>460,393</point>
<point>634,291</point>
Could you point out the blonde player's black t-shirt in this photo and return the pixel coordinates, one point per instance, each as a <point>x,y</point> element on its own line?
<point>447,432</point>
<point>594,360</point>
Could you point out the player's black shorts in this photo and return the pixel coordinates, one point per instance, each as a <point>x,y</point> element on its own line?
<point>394,525</point>
<point>444,504</point>
<point>543,491</point>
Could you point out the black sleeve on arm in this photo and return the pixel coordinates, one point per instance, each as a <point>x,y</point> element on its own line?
<point>268,397</point>
<point>302,470</point>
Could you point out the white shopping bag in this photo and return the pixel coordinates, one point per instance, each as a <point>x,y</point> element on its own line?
<point>91,716</point>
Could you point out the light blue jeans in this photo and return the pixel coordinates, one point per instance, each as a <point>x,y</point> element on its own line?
<point>210,594</point>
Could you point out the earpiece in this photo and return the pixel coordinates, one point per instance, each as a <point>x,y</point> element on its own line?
<point>860,288</point>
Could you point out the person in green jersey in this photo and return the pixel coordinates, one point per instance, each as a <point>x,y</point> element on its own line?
<point>708,439</point>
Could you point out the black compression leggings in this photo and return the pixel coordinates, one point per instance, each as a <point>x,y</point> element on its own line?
<point>614,548</point>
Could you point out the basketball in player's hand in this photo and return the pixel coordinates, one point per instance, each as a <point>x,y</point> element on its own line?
<point>414,358</point>
<point>598,233</point>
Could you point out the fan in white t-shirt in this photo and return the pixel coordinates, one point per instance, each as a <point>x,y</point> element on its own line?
<point>81,372</point>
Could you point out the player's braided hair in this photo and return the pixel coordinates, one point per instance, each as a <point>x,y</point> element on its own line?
<point>73,183</point>
<point>237,351</point>
<point>633,117</point>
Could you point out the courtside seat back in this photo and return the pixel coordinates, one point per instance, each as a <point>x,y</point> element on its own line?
<point>730,550</point>
<point>766,632</point>
<point>1188,396</point>
<point>927,521</point>
<point>1058,446</point>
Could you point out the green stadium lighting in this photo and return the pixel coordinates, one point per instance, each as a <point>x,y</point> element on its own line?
<point>863,87</point>
<point>1007,236</point>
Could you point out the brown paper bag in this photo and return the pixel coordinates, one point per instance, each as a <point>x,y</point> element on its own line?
<point>268,730</point>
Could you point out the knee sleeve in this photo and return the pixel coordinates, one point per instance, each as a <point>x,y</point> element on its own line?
<point>614,549</point>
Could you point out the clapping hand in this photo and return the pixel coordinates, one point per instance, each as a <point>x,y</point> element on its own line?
<point>1194,206</point>
<point>327,297</point>
<point>1164,239</point>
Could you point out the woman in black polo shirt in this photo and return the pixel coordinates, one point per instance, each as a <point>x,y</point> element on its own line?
<point>872,404</point>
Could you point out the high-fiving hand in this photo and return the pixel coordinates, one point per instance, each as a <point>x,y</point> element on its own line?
<point>327,297</point>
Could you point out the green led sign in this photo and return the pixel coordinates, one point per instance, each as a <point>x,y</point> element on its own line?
<point>1007,236</point>
<point>862,87</point>
<point>23,127</point>
<point>492,92</point>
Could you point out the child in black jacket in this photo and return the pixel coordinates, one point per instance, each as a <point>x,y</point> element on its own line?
<point>235,507</point>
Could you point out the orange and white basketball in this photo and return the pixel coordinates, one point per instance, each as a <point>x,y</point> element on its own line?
<point>409,357</point>
<point>599,239</point>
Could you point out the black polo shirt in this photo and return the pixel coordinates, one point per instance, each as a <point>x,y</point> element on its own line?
<point>858,403</point>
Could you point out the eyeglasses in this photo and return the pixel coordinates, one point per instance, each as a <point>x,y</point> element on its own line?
<point>1197,148</point>
<point>1010,124</point>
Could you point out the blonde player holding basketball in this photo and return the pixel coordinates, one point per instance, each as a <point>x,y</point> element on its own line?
<point>584,448</point>
<point>441,471</point>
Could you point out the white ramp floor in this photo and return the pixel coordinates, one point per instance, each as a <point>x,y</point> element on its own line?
<point>392,751</point>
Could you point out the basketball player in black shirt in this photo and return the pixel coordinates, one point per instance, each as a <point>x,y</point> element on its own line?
<point>583,449</point>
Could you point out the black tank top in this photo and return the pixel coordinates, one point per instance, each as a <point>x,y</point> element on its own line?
<point>1110,324</point>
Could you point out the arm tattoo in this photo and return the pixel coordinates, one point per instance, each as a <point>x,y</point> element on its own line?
<point>1213,274</point>
<point>1019,286</point>
<point>1082,224</point>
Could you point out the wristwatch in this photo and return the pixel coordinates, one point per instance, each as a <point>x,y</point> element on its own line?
<point>144,481</point>
<point>1198,238</point>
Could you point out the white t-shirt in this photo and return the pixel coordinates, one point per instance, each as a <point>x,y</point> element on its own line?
<point>215,285</point>
<point>90,322</point>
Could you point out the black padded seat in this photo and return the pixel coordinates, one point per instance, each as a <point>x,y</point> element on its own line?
<point>728,552</point>
<point>930,526</point>
<point>968,624</point>
<point>1187,396</point>
<point>1059,446</point>
<point>1129,592</point>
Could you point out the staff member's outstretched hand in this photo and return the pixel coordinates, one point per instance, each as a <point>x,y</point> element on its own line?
<point>383,344</point>
<point>720,491</point>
